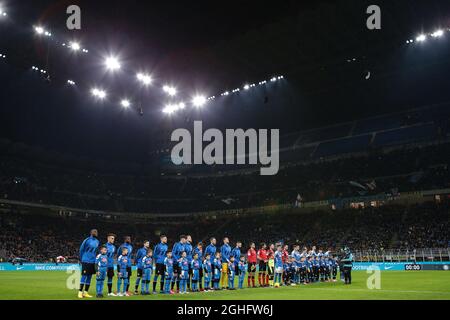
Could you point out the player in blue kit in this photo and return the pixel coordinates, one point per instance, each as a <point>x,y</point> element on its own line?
<point>278,260</point>
<point>199,251</point>
<point>208,272</point>
<point>196,267</point>
<point>242,269</point>
<point>88,255</point>
<point>217,269</point>
<point>334,267</point>
<point>189,256</point>
<point>225,252</point>
<point>302,269</point>
<point>231,273</point>
<point>147,265</point>
<point>101,266</point>
<point>159,254</point>
<point>309,265</point>
<point>211,250</point>
<point>316,268</point>
<point>184,275</point>
<point>111,252</point>
<point>140,254</point>
<point>297,257</point>
<point>322,268</point>
<point>168,273</point>
<point>127,244</point>
<point>122,273</point>
<point>177,250</point>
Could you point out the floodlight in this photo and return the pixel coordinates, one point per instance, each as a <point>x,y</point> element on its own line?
<point>144,78</point>
<point>75,46</point>
<point>421,38</point>
<point>171,91</point>
<point>246,87</point>
<point>39,30</point>
<point>199,101</point>
<point>125,103</point>
<point>72,83</point>
<point>99,93</point>
<point>437,33</point>
<point>112,63</point>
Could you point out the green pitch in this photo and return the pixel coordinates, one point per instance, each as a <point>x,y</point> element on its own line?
<point>394,285</point>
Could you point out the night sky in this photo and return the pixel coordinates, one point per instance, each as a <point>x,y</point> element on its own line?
<point>210,47</point>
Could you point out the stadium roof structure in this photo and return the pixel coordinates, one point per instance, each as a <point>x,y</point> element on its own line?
<point>323,48</point>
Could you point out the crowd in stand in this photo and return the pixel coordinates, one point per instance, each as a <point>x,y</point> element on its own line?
<point>39,238</point>
<point>402,170</point>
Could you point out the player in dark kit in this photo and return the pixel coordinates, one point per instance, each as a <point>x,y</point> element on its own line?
<point>127,244</point>
<point>251,265</point>
<point>88,255</point>
<point>159,255</point>
<point>262,258</point>
<point>347,262</point>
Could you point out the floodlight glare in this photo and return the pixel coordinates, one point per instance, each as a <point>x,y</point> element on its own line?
<point>39,30</point>
<point>169,109</point>
<point>125,103</point>
<point>199,101</point>
<point>437,33</point>
<point>72,83</point>
<point>99,93</point>
<point>171,91</point>
<point>246,87</point>
<point>75,46</point>
<point>112,63</point>
<point>421,38</point>
<point>144,78</point>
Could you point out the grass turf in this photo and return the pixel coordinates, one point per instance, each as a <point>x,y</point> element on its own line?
<point>420,285</point>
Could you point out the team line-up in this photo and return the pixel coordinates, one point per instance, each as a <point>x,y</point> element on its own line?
<point>187,269</point>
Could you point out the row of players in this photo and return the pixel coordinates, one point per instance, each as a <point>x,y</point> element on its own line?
<point>191,269</point>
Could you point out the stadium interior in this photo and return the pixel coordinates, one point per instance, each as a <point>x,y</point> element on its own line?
<point>364,120</point>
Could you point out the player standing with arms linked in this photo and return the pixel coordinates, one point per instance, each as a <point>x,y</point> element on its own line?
<point>159,254</point>
<point>127,244</point>
<point>251,265</point>
<point>262,258</point>
<point>189,250</point>
<point>177,250</point>
<point>225,252</point>
<point>110,253</point>
<point>101,267</point>
<point>140,254</point>
<point>88,255</point>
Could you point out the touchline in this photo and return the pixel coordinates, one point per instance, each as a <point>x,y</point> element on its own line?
<point>238,144</point>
